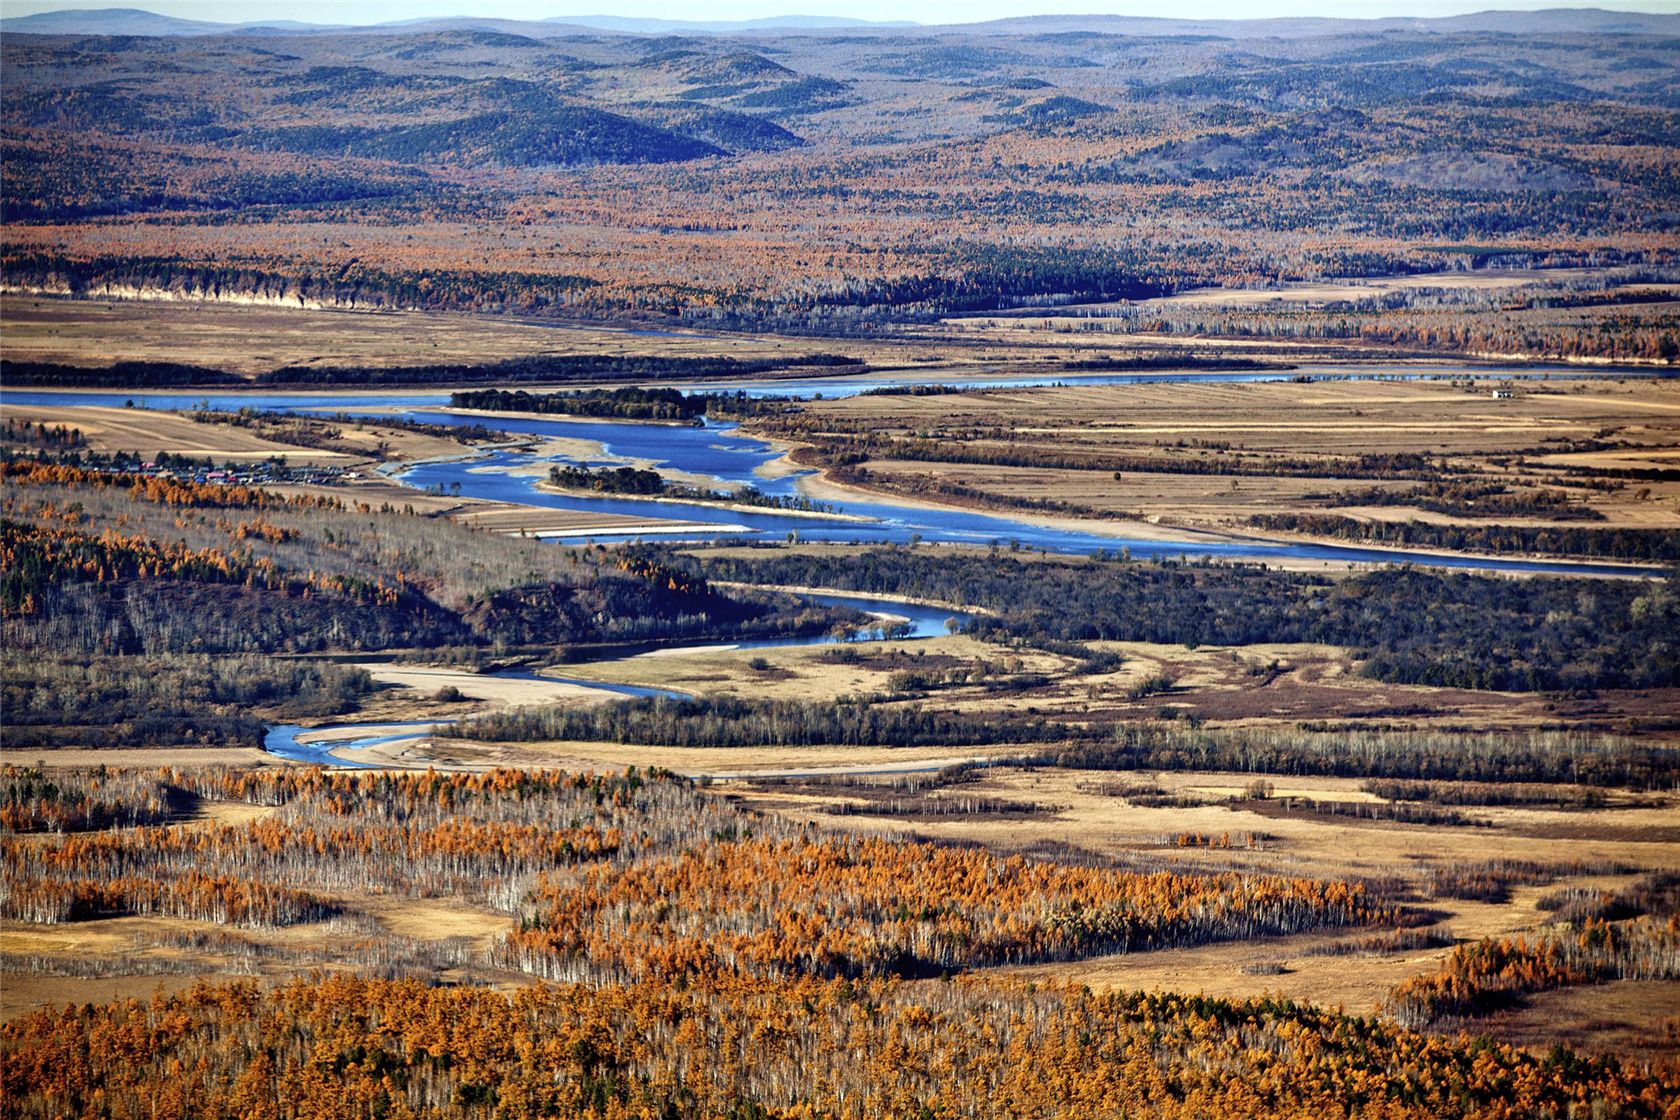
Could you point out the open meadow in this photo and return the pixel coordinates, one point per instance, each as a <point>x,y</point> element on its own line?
<point>1554,465</point>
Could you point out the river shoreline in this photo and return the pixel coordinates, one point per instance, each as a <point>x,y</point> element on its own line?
<point>409,743</point>
<point>724,455</point>
<point>738,507</point>
<point>820,487</point>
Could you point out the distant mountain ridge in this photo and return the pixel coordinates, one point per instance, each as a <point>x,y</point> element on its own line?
<point>1554,21</point>
<point>728,27</point>
<point>1549,21</point>
<point>136,21</point>
<point>828,181</point>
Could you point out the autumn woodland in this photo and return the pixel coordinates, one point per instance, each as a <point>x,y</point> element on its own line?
<point>1076,566</point>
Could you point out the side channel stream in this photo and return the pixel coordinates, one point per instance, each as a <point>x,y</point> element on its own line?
<point>897,620</point>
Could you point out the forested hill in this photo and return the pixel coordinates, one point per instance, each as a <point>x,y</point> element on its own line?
<point>824,179</point>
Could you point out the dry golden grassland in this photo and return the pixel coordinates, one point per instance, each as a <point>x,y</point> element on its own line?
<point>254,340</point>
<point>148,432</point>
<point>172,953</point>
<point>1504,315</point>
<point>1328,423</point>
<point>106,430</point>
<point>1261,685</point>
<point>557,524</point>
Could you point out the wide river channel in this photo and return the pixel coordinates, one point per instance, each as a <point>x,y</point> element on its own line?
<point>720,451</point>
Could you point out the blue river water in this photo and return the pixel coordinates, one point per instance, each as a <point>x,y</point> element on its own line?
<point>282,741</point>
<point>355,402</point>
<point>720,452</point>
<point>914,620</point>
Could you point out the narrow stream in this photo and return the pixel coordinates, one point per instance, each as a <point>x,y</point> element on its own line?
<point>914,621</point>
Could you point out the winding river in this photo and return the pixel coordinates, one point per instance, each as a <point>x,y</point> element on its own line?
<point>895,619</point>
<point>722,453</point>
